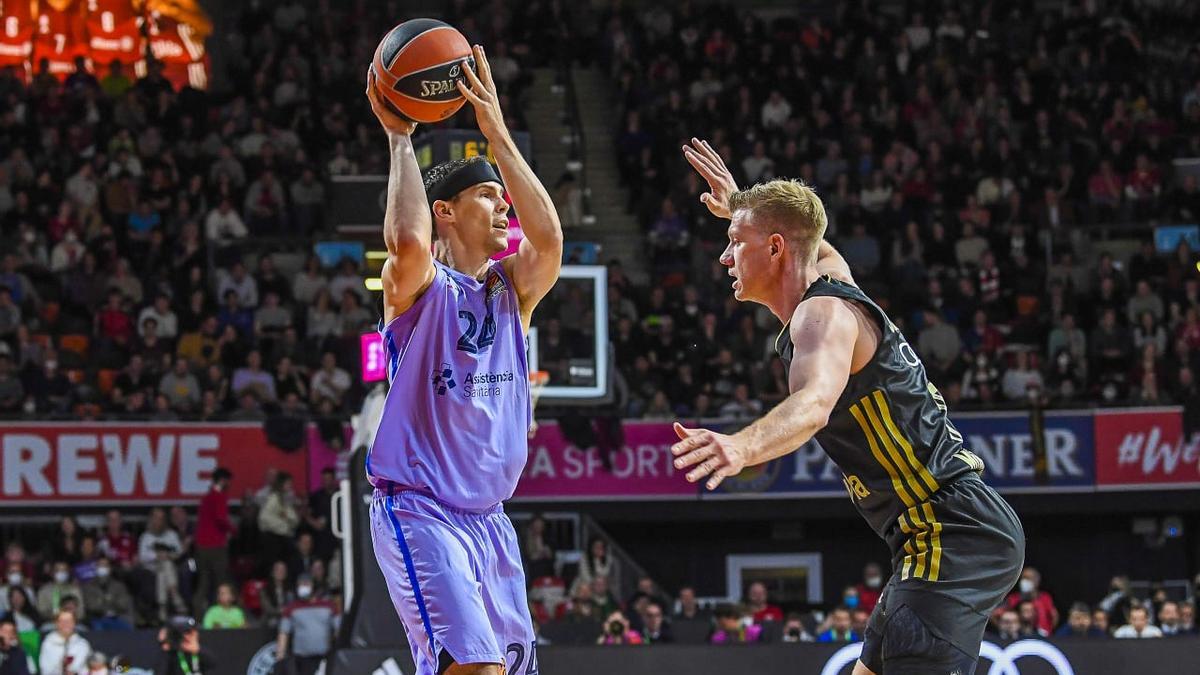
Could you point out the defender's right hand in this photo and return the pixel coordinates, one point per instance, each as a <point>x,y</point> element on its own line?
<point>712,168</point>
<point>391,122</point>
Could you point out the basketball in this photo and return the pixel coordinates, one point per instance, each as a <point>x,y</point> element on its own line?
<point>416,66</point>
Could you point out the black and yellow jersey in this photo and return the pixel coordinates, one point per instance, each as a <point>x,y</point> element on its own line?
<point>891,436</point>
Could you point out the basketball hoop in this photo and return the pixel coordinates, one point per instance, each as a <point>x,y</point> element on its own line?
<point>538,380</point>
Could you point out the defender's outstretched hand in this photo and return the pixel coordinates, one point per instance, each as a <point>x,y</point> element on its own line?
<point>712,168</point>
<point>482,94</point>
<point>392,122</point>
<point>718,456</point>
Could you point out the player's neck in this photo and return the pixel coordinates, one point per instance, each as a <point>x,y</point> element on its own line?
<point>792,287</point>
<point>461,259</point>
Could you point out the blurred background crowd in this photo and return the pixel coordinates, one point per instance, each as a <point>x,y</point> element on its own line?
<point>1001,208</point>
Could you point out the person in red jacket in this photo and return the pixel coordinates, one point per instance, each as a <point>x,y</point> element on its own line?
<point>1030,589</point>
<point>212,539</point>
<point>870,588</point>
<point>756,601</point>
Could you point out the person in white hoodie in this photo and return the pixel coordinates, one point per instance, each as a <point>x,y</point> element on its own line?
<point>64,652</point>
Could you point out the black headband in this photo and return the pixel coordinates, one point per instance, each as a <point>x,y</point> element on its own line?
<point>461,178</point>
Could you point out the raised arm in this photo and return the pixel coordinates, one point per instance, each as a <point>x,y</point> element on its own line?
<point>407,223</point>
<point>830,262</point>
<point>721,184</point>
<point>823,331</point>
<point>535,267</point>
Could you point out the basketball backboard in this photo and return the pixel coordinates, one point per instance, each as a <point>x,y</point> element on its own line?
<point>569,337</point>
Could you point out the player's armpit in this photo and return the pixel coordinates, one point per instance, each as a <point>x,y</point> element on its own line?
<point>534,272</point>
<point>406,275</point>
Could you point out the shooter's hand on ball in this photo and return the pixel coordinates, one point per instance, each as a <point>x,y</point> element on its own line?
<point>482,94</point>
<point>392,123</point>
<point>712,168</point>
<point>718,456</point>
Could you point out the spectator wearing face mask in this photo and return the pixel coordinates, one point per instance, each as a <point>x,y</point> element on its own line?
<point>850,599</point>
<point>108,601</point>
<point>1028,590</point>
<point>51,595</point>
<point>306,630</point>
<point>15,579</point>
<point>870,588</point>
<point>1139,625</point>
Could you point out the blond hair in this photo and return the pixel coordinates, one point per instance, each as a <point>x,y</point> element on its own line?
<point>789,205</point>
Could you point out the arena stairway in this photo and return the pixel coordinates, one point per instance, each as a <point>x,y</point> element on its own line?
<point>543,105</point>
<point>616,230</point>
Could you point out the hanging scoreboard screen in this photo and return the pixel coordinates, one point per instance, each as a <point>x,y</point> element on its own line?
<point>444,145</point>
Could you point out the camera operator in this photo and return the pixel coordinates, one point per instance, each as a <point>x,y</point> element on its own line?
<point>182,655</point>
<point>13,659</point>
<point>618,632</point>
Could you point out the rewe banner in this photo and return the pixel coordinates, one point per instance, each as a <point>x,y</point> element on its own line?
<point>133,463</point>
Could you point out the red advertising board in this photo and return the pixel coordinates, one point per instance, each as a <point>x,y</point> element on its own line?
<point>1144,449</point>
<point>133,463</point>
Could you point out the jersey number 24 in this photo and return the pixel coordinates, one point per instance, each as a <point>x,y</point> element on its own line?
<point>470,343</point>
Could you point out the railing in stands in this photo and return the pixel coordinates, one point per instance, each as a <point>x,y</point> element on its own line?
<point>576,145</point>
<point>629,569</point>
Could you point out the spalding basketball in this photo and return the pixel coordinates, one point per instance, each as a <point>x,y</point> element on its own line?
<point>416,65</point>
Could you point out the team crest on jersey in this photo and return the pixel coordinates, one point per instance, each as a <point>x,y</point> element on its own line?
<point>494,285</point>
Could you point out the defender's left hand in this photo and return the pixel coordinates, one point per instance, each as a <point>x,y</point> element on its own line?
<point>718,455</point>
<point>482,94</point>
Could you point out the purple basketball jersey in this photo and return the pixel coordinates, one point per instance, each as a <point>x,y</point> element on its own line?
<point>456,419</point>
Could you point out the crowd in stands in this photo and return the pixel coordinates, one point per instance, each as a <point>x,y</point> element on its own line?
<point>991,172</point>
<point>984,200</point>
<point>969,191</point>
<point>585,610</point>
<point>152,241</point>
<point>275,564</point>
